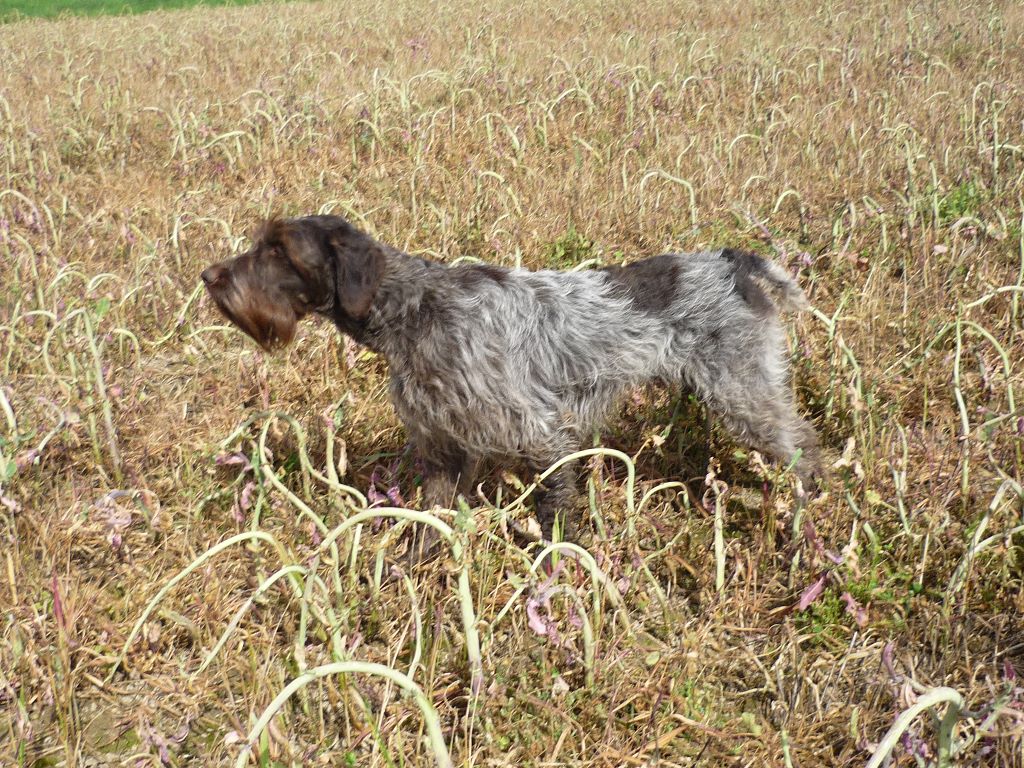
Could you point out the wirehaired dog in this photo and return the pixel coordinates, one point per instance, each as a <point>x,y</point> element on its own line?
<point>489,362</point>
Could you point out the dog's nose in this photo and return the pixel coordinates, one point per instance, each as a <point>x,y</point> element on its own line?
<point>213,275</point>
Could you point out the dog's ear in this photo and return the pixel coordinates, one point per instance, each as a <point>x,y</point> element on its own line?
<point>303,244</point>
<point>360,268</point>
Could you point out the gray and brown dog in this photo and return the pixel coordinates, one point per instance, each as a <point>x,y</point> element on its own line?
<point>495,363</point>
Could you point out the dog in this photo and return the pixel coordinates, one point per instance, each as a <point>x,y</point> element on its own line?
<point>488,362</point>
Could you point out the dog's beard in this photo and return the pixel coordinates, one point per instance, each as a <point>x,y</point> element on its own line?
<point>271,324</point>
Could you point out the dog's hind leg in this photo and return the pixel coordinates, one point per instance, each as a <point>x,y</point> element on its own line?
<point>752,398</point>
<point>770,423</point>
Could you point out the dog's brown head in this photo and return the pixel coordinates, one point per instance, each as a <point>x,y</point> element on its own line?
<point>296,266</point>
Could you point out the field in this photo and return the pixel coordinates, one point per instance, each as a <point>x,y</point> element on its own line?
<point>17,9</point>
<point>178,511</point>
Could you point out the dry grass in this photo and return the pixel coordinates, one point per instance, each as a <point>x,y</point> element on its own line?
<point>878,150</point>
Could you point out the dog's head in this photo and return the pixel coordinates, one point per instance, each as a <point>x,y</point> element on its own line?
<point>296,266</point>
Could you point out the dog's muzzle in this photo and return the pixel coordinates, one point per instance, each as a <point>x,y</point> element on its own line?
<point>214,275</point>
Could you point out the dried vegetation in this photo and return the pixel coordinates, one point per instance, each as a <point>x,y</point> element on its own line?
<point>164,487</point>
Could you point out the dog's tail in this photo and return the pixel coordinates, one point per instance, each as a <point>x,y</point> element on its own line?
<point>780,285</point>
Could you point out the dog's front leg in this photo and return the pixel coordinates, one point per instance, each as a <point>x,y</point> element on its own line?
<point>556,503</point>
<point>447,471</point>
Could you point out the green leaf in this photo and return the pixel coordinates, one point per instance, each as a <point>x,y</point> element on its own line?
<point>750,720</point>
<point>102,307</point>
<point>464,518</point>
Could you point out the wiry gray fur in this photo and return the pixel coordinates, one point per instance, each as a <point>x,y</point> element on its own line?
<point>488,362</point>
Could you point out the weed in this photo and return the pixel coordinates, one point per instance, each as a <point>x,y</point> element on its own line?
<point>962,200</point>
<point>569,250</point>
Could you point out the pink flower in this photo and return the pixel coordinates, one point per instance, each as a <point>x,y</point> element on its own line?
<point>812,593</point>
<point>855,609</point>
